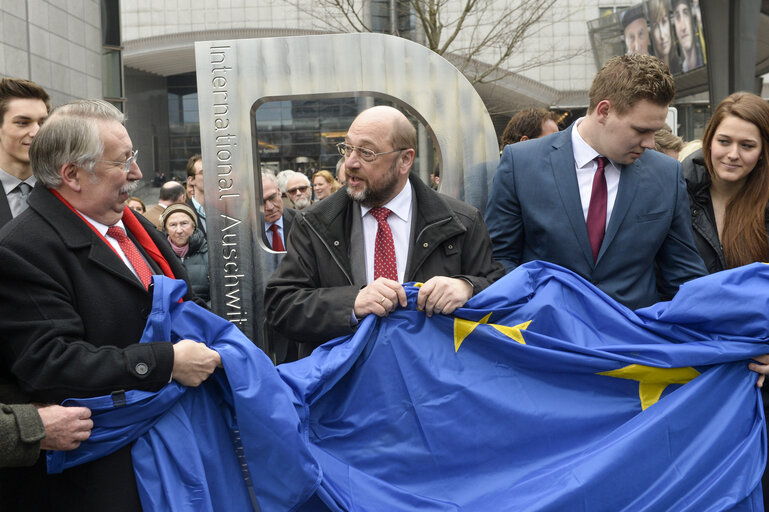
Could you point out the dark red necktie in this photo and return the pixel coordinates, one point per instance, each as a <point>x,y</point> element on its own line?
<point>384,248</point>
<point>277,243</point>
<point>596,211</point>
<point>132,253</point>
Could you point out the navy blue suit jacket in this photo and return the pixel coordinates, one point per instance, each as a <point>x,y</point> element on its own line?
<point>535,213</point>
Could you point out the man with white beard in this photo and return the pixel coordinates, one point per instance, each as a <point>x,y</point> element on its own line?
<point>299,190</point>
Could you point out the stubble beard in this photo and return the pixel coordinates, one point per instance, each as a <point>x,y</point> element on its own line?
<point>370,197</point>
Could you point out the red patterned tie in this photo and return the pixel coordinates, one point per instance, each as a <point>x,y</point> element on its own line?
<point>596,211</point>
<point>384,248</point>
<point>132,253</point>
<point>277,243</point>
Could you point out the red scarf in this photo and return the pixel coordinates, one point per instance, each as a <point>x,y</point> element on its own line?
<point>133,225</point>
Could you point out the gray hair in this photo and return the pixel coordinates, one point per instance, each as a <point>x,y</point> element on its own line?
<point>282,178</point>
<point>304,177</point>
<point>70,135</point>
<point>268,176</point>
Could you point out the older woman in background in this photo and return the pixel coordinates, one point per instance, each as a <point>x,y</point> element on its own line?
<point>180,224</point>
<point>324,184</point>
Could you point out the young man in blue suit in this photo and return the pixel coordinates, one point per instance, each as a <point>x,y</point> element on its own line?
<point>612,221</point>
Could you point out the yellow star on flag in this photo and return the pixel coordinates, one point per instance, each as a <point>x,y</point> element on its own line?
<point>463,328</point>
<point>653,381</point>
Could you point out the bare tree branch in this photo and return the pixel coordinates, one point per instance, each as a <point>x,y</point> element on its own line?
<point>480,36</point>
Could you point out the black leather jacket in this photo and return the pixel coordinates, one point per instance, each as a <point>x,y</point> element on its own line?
<point>703,218</point>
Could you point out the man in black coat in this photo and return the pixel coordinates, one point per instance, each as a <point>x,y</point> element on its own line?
<point>335,272</point>
<point>24,427</point>
<point>75,268</point>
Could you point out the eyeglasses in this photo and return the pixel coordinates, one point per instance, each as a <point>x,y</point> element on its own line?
<point>301,189</point>
<point>127,163</point>
<point>366,155</point>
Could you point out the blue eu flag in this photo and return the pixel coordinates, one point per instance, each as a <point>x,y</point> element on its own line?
<point>541,394</point>
<point>544,394</point>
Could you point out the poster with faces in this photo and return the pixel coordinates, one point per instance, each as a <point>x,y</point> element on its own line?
<point>668,29</point>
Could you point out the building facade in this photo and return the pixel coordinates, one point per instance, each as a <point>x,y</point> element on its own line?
<point>58,44</point>
<point>139,54</point>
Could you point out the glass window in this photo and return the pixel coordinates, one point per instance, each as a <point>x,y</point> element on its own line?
<point>112,74</point>
<point>302,134</point>
<point>183,122</point>
<point>110,22</point>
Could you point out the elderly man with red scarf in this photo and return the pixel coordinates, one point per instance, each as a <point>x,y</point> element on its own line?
<point>76,291</point>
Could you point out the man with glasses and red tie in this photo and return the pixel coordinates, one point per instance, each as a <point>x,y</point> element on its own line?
<point>277,225</point>
<point>277,219</point>
<point>75,272</point>
<point>348,254</point>
<point>593,200</point>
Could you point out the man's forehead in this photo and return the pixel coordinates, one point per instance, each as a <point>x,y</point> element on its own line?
<point>268,188</point>
<point>113,133</point>
<point>32,108</point>
<point>369,129</point>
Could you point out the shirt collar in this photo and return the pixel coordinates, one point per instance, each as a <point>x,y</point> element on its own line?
<point>197,205</point>
<point>10,182</point>
<point>101,228</point>
<point>279,223</point>
<point>399,205</point>
<point>584,153</point>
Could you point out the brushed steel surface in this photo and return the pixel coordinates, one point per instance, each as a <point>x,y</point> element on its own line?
<point>236,76</point>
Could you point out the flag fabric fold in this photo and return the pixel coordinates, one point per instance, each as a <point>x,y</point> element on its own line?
<point>231,444</point>
<point>541,394</point>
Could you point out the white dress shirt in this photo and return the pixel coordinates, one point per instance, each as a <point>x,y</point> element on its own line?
<point>586,166</point>
<point>400,225</point>
<point>102,229</point>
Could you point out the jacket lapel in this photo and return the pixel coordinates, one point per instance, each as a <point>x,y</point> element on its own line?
<point>433,224</point>
<point>77,235</point>
<point>565,176</point>
<point>331,225</point>
<point>627,190</point>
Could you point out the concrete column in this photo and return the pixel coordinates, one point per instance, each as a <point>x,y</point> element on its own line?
<point>731,33</point>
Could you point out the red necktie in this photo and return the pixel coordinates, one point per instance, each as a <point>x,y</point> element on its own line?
<point>132,253</point>
<point>596,211</point>
<point>384,248</point>
<point>277,243</point>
